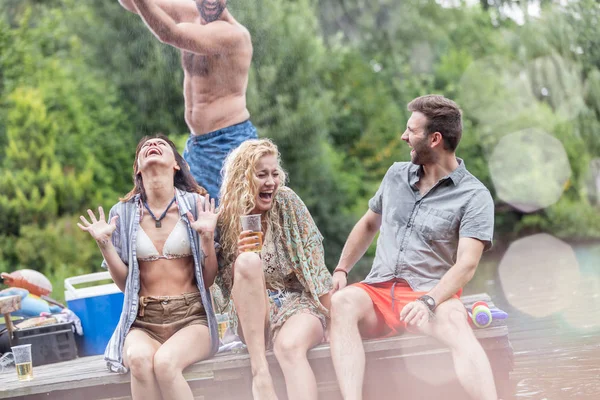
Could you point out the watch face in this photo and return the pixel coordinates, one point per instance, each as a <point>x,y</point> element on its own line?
<point>429,301</point>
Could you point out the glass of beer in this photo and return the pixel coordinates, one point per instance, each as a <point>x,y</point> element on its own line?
<point>222,323</point>
<point>252,223</point>
<point>22,356</point>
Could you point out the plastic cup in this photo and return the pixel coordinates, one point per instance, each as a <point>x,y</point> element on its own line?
<point>252,223</point>
<point>23,362</point>
<point>222,323</point>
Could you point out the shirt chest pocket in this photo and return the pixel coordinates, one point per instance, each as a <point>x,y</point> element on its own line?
<point>437,224</point>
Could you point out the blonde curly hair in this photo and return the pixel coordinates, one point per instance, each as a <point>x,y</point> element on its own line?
<point>238,191</point>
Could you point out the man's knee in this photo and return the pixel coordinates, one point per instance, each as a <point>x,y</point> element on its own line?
<point>247,266</point>
<point>451,322</point>
<point>347,304</point>
<point>140,362</point>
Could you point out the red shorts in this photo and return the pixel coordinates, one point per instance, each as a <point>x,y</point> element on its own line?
<point>388,317</point>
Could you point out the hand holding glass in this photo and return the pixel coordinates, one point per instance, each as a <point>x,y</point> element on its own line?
<point>252,224</point>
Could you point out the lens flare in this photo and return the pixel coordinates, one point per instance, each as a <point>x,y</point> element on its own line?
<point>539,275</point>
<point>584,311</point>
<point>529,169</point>
<point>505,96</point>
<point>509,100</point>
<point>557,82</point>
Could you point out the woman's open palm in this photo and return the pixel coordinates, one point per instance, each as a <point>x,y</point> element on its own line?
<point>100,230</point>
<point>207,216</point>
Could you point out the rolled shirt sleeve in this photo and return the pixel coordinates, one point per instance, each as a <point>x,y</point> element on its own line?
<point>478,219</point>
<point>376,202</point>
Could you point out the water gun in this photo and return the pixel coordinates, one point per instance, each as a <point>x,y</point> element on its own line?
<point>482,316</point>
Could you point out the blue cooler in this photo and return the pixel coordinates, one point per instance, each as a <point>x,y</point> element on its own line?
<point>99,308</point>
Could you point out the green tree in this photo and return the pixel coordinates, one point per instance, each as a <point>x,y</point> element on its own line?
<point>291,103</point>
<point>63,147</point>
<point>146,73</point>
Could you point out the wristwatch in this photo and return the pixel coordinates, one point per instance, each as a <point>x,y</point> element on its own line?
<point>428,301</point>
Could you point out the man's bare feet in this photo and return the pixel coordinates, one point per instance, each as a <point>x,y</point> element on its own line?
<point>262,387</point>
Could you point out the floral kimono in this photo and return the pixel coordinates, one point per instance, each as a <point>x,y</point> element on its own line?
<point>293,262</point>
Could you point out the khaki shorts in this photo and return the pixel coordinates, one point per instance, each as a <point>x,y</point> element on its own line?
<point>162,316</point>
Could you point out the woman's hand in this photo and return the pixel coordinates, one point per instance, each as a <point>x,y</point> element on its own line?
<point>206,223</point>
<point>100,230</point>
<point>248,241</point>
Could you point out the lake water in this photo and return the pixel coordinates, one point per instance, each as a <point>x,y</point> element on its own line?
<point>555,326</point>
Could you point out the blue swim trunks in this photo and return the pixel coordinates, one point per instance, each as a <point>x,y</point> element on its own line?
<point>205,154</point>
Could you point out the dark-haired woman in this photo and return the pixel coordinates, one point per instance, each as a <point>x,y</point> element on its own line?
<point>158,245</point>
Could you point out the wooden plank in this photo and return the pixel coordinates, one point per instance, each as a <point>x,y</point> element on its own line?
<point>469,300</point>
<point>402,344</point>
<point>82,372</point>
<point>91,371</point>
<point>88,372</point>
<point>10,304</point>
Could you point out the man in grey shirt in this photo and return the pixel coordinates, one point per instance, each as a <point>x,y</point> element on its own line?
<point>434,220</point>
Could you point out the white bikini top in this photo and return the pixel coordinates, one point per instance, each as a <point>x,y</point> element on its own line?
<point>177,245</point>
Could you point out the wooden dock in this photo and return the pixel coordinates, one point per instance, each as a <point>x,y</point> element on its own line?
<point>413,366</point>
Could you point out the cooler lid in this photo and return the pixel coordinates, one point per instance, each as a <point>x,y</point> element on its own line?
<point>73,293</point>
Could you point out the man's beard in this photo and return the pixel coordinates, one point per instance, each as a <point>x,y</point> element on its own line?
<point>423,155</point>
<point>210,17</point>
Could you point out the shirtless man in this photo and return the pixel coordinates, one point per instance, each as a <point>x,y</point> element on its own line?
<point>216,52</point>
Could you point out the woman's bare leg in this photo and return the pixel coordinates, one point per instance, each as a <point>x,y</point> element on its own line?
<point>138,353</point>
<point>298,334</point>
<point>252,306</point>
<point>187,346</point>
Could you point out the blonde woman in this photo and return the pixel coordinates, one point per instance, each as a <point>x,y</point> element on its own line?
<point>281,295</point>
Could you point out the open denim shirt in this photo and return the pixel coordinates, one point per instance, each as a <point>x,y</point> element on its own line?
<point>124,240</point>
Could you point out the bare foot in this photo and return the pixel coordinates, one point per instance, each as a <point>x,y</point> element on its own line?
<point>262,387</point>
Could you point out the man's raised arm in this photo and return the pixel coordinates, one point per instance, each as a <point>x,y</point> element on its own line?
<point>178,10</point>
<point>212,38</point>
<point>128,5</point>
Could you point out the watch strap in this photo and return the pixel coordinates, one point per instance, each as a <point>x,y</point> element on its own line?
<point>428,301</point>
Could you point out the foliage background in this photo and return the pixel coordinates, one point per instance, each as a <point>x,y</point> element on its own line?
<point>81,82</point>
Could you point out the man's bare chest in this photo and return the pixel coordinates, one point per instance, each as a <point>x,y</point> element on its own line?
<point>202,65</point>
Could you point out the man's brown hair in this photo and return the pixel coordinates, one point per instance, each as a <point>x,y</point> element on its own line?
<point>443,116</point>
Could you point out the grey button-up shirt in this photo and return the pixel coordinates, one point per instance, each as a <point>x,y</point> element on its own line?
<point>124,239</point>
<point>419,235</point>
